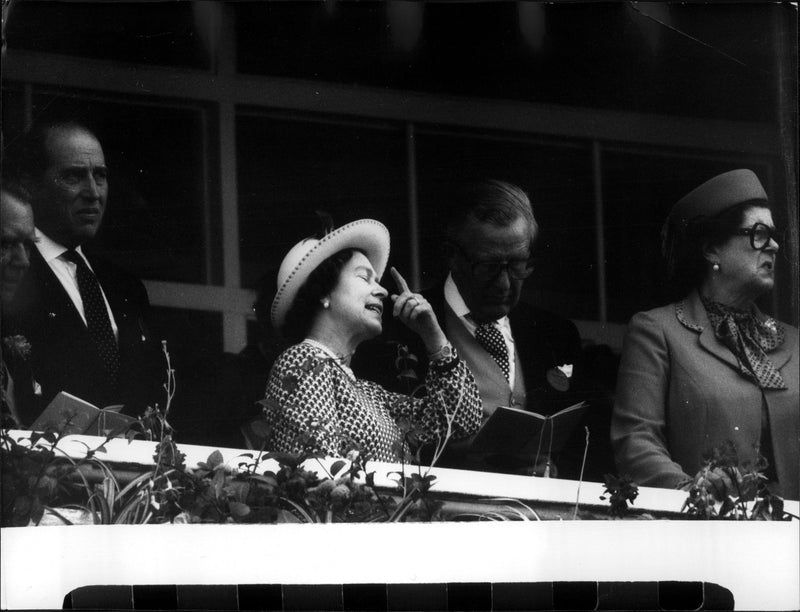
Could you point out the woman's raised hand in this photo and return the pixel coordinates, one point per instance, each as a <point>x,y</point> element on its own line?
<point>416,313</point>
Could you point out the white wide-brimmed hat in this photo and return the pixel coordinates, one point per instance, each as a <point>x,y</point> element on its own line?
<point>366,235</point>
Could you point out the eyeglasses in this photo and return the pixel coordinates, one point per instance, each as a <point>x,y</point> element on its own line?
<point>760,235</point>
<point>488,270</point>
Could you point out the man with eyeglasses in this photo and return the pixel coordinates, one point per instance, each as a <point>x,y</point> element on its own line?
<point>19,401</point>
<point>521,356</point>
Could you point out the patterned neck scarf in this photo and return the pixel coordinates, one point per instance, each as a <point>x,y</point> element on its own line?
<point>749,340</point>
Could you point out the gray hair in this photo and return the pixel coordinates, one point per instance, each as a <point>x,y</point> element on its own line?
<point>490,201</point>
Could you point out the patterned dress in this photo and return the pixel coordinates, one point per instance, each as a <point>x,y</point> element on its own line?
<point>310,391</point>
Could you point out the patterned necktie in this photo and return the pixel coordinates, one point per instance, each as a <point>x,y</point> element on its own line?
<point>491,338</point>
<point>97,321</point>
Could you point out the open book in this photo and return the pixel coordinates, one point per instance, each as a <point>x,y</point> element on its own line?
<point>512,431</point>
<point>72,415</point>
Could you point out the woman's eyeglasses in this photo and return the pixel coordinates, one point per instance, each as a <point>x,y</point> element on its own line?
<point>488,270</point>
<point>760,235</point>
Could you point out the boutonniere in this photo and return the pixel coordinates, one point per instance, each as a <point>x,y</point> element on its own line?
<point>18,346</point>
<point>559,376</point>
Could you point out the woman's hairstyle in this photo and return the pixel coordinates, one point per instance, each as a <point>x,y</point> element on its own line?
<point>683,244</point>
<point>308,302</point>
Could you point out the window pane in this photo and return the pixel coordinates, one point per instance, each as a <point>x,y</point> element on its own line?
<point>558,182</point>
<point>194,340</point>
<point>159,183</point>
<point>13,119</point>
<point>687,59</point>
<point>148,33</point>
<point>290,168</point>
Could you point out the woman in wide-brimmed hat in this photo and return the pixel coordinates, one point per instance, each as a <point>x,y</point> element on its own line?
<point>329,300</point>
<point>712,368</point>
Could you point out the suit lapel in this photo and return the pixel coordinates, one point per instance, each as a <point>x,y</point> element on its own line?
<point>46,293</point>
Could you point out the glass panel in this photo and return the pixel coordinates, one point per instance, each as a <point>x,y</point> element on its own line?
<point>640,189</point>
<point>167,33</point>
<point>194,340</point>
<point>558,182</point>
<point>13,119</point>
<point>687,59</point>
<point>159,183</point>
<point>290,168</point>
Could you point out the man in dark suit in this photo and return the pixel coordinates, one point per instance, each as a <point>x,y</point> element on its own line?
<point>520,355</point>
<point>19,400</point>
<point>85,319</point>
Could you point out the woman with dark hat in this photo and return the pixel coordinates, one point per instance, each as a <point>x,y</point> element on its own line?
<point>329,300</point>
<point>712,367</point>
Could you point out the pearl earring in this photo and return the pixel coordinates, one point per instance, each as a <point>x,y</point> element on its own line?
<point>326,303</point>
<point>715,267</point>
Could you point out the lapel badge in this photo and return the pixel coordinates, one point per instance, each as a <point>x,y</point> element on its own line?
<point>558,377</point>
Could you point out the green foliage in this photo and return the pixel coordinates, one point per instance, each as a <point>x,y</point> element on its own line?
<point>620,491</point>
<point>726,488</point>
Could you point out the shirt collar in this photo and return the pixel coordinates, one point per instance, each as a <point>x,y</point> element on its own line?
<point>49,248</point>
<point>453,298</point>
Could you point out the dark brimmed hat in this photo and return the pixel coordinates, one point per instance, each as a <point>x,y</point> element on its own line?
<point>367,235</point>
<point>717,194</point>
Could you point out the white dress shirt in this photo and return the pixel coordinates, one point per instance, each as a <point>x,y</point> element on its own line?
<point>453,298</point>
<point>67,273</point>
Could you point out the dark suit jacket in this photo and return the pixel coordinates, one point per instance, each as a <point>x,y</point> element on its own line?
<point>543,341</point>
<point>63,358</point>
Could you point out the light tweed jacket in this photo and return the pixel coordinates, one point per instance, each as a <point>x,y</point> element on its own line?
<point>680,393</point>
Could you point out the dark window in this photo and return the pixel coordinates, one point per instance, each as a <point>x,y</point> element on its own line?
<point>166,33</point>
<point>288,169</point>
<point>689,59</point>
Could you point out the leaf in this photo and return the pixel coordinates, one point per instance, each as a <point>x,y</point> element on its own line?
<point>269,480</point>
<point>219,483</point>
<point>37,510</point>
<point>284,516</point>
<point>270,403</point>
<point>284,458</point>
<point>727,505</point>
<point>337,466</point>
<point>777,507</point>
<point>238,509</point>
<point>214,459</point>
<point>260,429</point>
